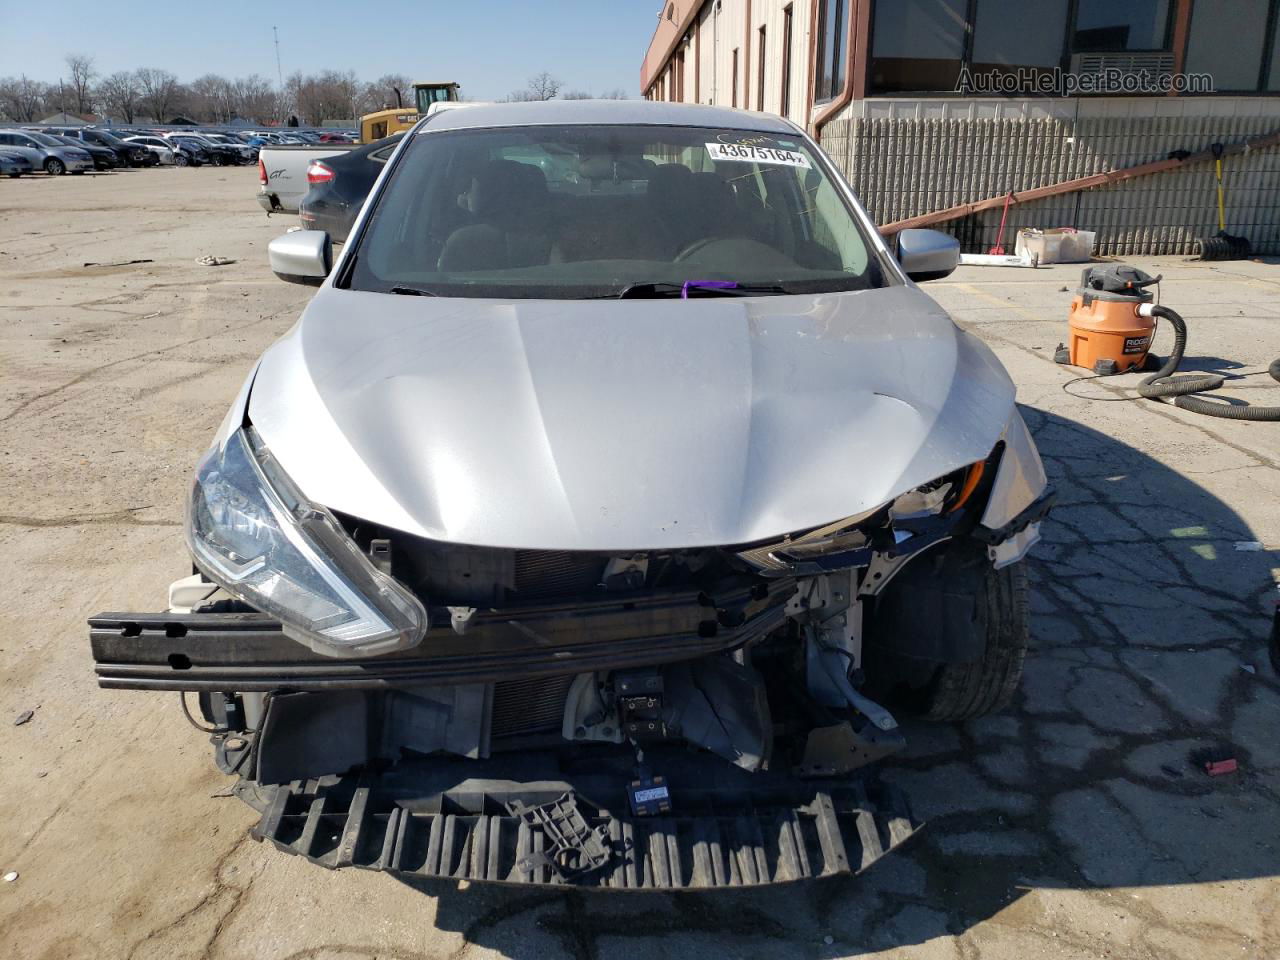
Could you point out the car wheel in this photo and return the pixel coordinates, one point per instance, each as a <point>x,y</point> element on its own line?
<point>180,160</point>
<point>54,167</point>
<point>955,600</point>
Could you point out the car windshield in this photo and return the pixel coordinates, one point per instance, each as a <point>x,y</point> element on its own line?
<point>106,139</point>
<point>578,211</point>
<point>46,140</point>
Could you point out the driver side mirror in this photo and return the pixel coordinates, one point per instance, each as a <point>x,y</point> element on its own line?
<point>303,256</point>
<point>928,254</point>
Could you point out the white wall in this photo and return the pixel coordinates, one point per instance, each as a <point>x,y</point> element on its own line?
<point>722,27</point>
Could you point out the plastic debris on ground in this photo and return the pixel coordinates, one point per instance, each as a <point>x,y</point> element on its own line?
<point>1216,768</point>
<point>995,260</point>
<point>1056,245</point>
<point>24,717</point>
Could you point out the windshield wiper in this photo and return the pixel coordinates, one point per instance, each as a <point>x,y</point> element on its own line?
<point>654,290</point>
<point>413,292</point>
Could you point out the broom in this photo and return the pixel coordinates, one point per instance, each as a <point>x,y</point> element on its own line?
<point>1223,245</point>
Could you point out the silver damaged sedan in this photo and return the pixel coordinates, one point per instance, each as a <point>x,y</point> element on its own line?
<point>613,497</point>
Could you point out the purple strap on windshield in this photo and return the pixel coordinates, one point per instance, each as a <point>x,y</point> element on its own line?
<point>712,284</point>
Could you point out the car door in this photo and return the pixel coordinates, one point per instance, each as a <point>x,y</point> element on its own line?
<point>20,143</point>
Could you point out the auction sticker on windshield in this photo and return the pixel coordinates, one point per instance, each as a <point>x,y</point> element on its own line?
<point>751,153</point>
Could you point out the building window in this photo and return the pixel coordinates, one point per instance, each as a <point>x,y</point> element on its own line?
<point>734,101</point>
<point>1104,26</point>
<point>917,44</point>
<point>786,62</point>
<point>1273,83</point>
<point>1227,41</point>
<point>760,72</point>
<point>1010,34</point>
<point>920,46</point>
<point>832,30</point>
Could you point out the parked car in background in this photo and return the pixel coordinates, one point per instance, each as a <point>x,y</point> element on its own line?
<point>127,155</point>
<point>163,151</point>
<point>339,184</point>
<point>282,173</point>
<point>214,153</point>
<point>14,164</point>
<point>189,153</point>
<point>46,153</point>
<point>103,158</point>
<point>246,153</point>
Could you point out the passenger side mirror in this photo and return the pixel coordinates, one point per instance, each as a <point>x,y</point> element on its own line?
<point>928,254</point>
<point>303,256</point>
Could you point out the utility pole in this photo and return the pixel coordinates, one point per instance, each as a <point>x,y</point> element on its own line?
<point>279,73</point>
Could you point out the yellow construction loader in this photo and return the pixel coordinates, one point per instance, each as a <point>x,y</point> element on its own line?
<point>383,123</point>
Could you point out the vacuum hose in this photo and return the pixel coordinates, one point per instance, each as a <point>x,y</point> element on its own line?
<point>1181,388</point>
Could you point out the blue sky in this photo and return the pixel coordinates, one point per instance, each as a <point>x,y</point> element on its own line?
<point>491,47</point>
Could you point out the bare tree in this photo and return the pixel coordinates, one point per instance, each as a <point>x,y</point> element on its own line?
<point>390,91</point>
<point>212,98</point>
<point>120,94</point>
<point>330,95</point>
<point>544,86</point>
<point>616,94</point>
<point>160,92</point>
<point>82,74</point>
<point>254,98</point>
<point>576,95</point>
<point>22,99</point>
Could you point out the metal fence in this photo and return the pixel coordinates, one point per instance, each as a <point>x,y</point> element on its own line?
<point>905,167</point>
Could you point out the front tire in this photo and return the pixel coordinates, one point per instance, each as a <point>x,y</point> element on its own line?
<point>962,691</point>
<point>992,631</point>
<point>180,160</point>
<point>54,167</point>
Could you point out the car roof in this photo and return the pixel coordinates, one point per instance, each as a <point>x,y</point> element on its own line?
<point>624,112</point>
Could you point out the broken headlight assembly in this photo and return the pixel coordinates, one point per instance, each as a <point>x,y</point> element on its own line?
<point>252,532</point>
<point>906,524</point>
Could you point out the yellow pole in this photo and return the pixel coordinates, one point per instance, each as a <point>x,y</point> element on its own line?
<point>1222,215</point>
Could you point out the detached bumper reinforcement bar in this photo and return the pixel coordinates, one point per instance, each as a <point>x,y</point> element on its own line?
<point>250,653</point>
<point>842,829</point>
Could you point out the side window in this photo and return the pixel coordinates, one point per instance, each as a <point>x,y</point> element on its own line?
<point>383,155</point>
<point>6,139</point>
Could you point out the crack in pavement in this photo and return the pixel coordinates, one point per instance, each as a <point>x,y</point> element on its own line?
<point>126,517</point>
<point>80,378</point>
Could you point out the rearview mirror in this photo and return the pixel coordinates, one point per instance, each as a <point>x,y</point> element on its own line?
<point>303,256</point>
<point>928,254</point>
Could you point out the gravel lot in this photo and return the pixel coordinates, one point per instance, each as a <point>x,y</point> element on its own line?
<point>1078,824</point>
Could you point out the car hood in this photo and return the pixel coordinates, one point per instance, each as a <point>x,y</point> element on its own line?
<point>635,424</point>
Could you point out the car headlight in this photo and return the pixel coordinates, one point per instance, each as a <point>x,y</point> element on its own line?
<point>252,532</point>
<point>906,524</point>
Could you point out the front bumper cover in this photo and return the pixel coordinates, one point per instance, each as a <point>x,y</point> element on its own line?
<point>731,830</point>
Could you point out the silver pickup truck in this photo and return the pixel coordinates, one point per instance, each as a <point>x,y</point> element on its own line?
<point>282,172</point>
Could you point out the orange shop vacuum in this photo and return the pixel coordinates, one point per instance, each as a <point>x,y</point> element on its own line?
<point>1108,332</point>
<point>1111,326</point>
